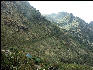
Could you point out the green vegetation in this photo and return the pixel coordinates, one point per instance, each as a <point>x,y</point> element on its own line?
<point>24,30</point>
<point>12,60</point>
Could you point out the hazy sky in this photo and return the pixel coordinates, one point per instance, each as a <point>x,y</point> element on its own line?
<point>82,9</point>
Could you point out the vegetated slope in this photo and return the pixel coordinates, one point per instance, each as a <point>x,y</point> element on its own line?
<point>23,28</point>
<point>78,28</point>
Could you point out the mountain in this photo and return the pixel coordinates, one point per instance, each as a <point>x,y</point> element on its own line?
<point>91,24</point>
<point>78,28</point>
<point>24,30</point>
<point>65,20</point>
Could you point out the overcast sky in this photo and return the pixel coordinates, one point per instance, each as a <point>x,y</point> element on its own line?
<point>82,9</point>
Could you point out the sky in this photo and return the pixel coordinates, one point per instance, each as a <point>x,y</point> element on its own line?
<point>82,9</point>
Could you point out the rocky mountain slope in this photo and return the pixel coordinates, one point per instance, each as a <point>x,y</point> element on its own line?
<point>24,30</point>
<point>77,27</point>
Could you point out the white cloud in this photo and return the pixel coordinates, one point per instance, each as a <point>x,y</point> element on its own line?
<point>82,9</point>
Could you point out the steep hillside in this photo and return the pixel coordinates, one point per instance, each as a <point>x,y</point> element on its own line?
<point>78,28</point>
<point>24,30</point>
